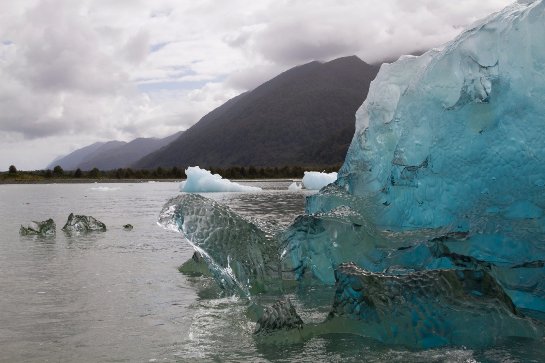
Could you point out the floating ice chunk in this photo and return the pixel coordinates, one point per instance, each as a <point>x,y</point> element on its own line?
<point>105,189</point>
<point>314,180</point>
<point>203,181</point>
<point>295,187</point>
<point>83,224</point>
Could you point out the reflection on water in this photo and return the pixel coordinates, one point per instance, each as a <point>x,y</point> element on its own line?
<point>117,296</point>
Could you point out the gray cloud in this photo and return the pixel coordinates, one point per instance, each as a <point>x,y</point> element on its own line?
<point>250,78</point>
<point>58,50</point>
<point>137,47</point>
<point>306,42</point>
<point>305,30</point>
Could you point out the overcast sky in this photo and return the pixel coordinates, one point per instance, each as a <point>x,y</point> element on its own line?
<point>76,72</point>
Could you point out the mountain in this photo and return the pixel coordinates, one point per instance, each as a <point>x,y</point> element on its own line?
<point>112,154</point>
<point>304,116</point>
<point>127,154</point>
<point>75,158</point>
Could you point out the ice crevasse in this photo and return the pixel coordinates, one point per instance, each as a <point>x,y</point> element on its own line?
<point>443,187</point>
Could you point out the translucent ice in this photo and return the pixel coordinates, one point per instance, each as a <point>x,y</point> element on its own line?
<point>315,180</point>
<point>202,181</point>
<point>238,253</point>
<point>195,266</point>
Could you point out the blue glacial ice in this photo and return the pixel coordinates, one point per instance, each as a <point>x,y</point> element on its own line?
<point>454,136</point>
<point>439,204</point>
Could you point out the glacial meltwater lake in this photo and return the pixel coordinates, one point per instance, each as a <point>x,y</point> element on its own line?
<point>117,296</point>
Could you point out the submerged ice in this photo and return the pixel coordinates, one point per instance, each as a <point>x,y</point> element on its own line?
<point>439,206</point>
<point>430,308</point>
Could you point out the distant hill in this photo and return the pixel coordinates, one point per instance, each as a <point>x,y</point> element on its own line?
<point>304,116</point>
<point>127,154</point>
<point>75,158</point>
<point>112,154</point>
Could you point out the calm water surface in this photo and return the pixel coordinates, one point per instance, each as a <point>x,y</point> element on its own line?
<point>118,297</point>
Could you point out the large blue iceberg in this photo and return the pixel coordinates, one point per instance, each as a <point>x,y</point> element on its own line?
<point>448,143</point>
<point>439,205</point>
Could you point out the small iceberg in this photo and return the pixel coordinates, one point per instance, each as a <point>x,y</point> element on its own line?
<point>203,181</point>
<point>315,180</point>
<point>295,187</point>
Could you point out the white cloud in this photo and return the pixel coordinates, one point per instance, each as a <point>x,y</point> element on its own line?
<point>75,72</point>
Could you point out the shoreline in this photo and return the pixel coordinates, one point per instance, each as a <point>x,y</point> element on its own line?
<point>84,181</point>
<point>121,181</point>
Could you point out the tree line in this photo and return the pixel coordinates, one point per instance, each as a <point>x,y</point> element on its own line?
<point>234,172</point>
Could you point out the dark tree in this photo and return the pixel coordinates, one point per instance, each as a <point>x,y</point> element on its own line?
<point>94,173</point>
<point>174,172</point>
<point>252,172</point>
<point>57,171</point>
<point>12,169</point>
<point>77,174</point>
<point>48,173</point>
